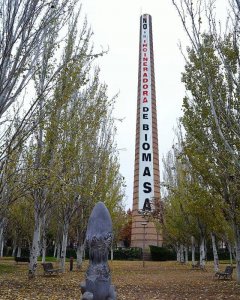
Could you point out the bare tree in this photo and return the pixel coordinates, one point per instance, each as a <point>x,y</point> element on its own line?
<point>23,27</point>
<point>197,19</point>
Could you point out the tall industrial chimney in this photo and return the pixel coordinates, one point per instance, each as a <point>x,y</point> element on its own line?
<point>146,170</point>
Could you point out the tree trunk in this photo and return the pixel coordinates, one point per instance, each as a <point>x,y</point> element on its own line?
<point>230,253</point>
<point>80,250</point>
<point>35,247</point>
<point>215,254</point>
<point>44,240</point>
<point>58,251</point>
<point>14,248</point>
<point>193,249</point>
<point>1,247</point>
<point>186,253</point>
<point>111,253</point>
<point>181,253</point>
<point>202,252</point>
<point>237,242</point>
<point>230,257</point>
<point>19,250</point>
<point>44,247</point>
<point>64,246</point>
<point>178,254</point>
<point>1,241</point>
<point>55,250</point>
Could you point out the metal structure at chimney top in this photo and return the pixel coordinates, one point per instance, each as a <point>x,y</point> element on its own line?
<point>146,188</point>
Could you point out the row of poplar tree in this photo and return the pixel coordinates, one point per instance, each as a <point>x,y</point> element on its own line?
<point>57,151</point>
<point>202,171</point>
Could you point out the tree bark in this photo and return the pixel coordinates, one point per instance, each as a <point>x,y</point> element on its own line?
<point>178,253</point>
<point>237,246</point>
<point>111,253</point>
<point>58,251</point>
<point>1,241</point>
<point>215,253</point>
<point>64,245</point>
<point>1,247</point>
<point>44,248</point>
<point>35,247</point>
<point>181,253</point>
<point>44,240</point>
<point>14,248</point>
<point>80,250</point>
<point>229,246</point>
<point>55,250</point>
<point>202,252</point>
<point>193,249</point>
<point>19,250</point>
<point>186,253</point>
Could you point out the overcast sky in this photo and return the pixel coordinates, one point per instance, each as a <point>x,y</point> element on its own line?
<point>116,25</point>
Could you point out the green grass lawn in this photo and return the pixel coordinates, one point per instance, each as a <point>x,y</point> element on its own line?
<point>5,268</point>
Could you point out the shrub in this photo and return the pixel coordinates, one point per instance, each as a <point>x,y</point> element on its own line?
<point>71,253</point>
<point>133,253</point>
<point>223,254</point>
<point>162,253</point>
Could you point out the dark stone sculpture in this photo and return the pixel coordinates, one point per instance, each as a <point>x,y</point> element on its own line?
<point>99,239</point>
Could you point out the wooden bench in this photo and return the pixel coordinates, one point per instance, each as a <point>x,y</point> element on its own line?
<point>49,270</point>
<point>21,259</point>
<point>227,274</point>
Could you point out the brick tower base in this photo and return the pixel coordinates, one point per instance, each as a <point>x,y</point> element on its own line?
<point>152,237</point>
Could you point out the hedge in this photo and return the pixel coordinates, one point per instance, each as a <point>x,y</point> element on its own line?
<point>133,253</point>
<point>161,253</point>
